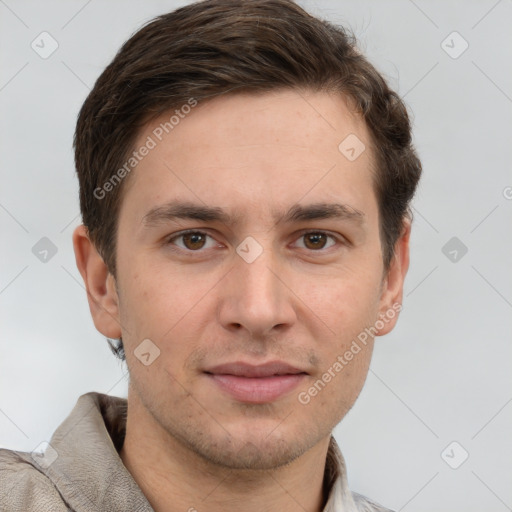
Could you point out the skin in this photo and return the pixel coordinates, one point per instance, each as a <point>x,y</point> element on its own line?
<point>188,444</point>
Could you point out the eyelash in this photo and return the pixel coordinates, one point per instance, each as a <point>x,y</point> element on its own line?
<point>169,240</point>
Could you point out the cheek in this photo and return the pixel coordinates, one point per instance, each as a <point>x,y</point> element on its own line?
<point>167,307</point>
<point>156,297</point>
<point>348,299</point>
<point>335,389</point>
<point>349,306</point>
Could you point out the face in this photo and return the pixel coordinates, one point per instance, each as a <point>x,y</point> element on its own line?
<point>247,236</point>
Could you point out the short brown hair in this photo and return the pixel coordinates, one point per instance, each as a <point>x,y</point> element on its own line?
<point>217,47</point>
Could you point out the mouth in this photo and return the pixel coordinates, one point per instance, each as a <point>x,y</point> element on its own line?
<point>256,384</point>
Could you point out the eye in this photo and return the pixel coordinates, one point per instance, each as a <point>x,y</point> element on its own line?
<point>316,240</point>
<point>196,241</point>
<point>192,240</point>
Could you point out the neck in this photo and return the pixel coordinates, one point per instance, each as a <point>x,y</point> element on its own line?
<point>175,478</point>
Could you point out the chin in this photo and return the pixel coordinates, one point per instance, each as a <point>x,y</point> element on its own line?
<point>264,455</point>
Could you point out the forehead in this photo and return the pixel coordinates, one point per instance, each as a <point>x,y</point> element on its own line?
<point>254,153</point>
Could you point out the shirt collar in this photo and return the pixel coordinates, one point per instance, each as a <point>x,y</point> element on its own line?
<point>90,475</point>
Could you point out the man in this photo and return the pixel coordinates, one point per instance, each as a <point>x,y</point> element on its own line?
<point>245,180</point>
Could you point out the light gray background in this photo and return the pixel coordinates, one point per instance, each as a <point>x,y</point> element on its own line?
<point>443,375</point>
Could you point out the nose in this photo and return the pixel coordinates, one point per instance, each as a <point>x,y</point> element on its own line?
<point>256,297</point>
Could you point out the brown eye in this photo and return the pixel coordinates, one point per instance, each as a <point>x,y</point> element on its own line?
<point>315,240</point>
<point>194,241</point>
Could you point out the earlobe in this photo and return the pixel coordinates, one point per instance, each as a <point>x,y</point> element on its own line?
<point>392,291</point>
<point>99,283</point>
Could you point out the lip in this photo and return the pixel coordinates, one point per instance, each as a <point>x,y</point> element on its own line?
<point>242,369</point>
<point>256,384</point>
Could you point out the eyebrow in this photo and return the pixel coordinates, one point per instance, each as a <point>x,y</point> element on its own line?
<point>297,213</point>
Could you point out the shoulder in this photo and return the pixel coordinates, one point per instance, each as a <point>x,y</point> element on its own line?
<point>24,487</point>
<point>366,505</point>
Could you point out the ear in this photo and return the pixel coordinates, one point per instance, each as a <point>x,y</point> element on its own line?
<point>393,283</point>
<point>99,283</point>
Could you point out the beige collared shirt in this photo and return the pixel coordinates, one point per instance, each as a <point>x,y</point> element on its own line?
<point>81,470</point>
